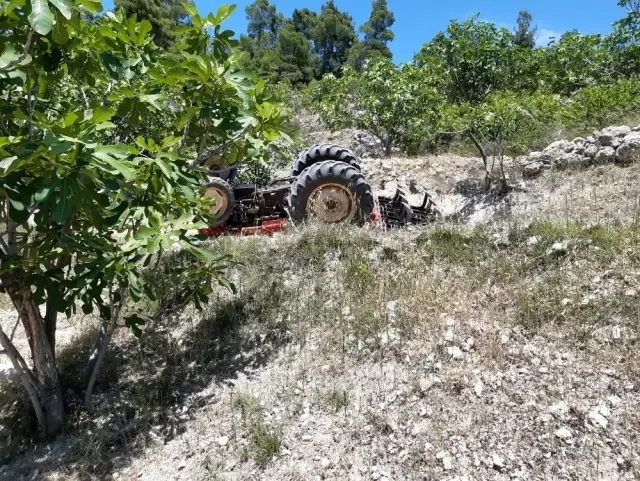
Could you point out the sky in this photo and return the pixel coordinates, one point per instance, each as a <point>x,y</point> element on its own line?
<point>417,21</point>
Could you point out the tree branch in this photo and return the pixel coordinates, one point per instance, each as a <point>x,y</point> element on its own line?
<point>25,52</point>
<point>27,378</point>
<point>111,325</point>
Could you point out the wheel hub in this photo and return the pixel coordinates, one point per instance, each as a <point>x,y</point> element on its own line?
<point>219,200</point>
<point>331,203</point>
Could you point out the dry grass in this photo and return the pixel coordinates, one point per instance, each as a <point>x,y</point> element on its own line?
<point>370,293</point>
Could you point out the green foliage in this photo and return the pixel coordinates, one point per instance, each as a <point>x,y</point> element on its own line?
<point>164,15</point>
<point>87,206</point>
<point>624,42</point>
<point>475,56</point>
<point>395,104</point>
<point>575,61</point>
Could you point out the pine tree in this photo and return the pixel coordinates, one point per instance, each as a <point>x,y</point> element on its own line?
<point>264,22</point>
<point>524,35</point>
<point>334,35</point>
<point>377,35</point>
<point>296,62</point>
<point>164,16</point>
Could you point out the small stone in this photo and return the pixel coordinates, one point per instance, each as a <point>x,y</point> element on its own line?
<point>598,419</point>
<point>630,292</point>
<point>447,463</point>
<point>616,332</point>
<point>306,438</point>
<point>223,440</point>
<point>532,170</point>
<point>478,388</point>
<point>614,400</point>
<point>533,240</point>
<point>605,155</point>
<point>559,249</point>
<point>591,151</point>
<point>604,410</point>
<point>449,336</point>
<point>325,463</point>
<point>182,465</point>
<point>498,462</point>
<point>563,433</point>
<point>455,352</point>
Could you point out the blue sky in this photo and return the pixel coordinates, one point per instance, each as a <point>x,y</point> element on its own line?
<point>417,21</point>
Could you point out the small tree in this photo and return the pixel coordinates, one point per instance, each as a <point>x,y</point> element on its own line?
<point>396,105</point>
<point>83,213</point>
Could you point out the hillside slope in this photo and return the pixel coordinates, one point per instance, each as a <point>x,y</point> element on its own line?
<point>503,347</point>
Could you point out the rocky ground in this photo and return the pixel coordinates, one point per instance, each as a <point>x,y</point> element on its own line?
<point>502,348</point>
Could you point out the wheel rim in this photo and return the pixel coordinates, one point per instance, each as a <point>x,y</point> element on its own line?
<point>331,203</point>
<point>219,198</point>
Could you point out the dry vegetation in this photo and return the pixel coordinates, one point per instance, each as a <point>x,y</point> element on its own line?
<point>504,352</point>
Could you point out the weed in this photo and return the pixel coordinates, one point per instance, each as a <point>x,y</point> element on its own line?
<point>266,442</point>
<point>337,399</point>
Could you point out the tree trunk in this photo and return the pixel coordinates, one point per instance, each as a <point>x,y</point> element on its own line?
<point>44,376</point>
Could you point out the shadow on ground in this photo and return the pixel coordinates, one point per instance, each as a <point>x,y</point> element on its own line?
<point>151,387</point>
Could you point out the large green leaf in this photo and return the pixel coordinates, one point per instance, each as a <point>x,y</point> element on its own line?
<point>41,17</point>
<point>63,6</point>
<point>60,35</point>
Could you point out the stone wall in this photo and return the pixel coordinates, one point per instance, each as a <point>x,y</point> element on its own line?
<point>614,144</point>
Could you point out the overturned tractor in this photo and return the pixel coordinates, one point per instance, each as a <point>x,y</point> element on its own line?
<point>326,185</point>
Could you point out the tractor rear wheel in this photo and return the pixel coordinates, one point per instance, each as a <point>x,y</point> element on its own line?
<point>331,192</point>
<point>224,199</point>
<point>320,153</point>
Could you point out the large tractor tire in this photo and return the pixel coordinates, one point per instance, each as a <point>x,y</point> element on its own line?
<point>224,200</point>
<point>331,192</point>
<point>320,153</point>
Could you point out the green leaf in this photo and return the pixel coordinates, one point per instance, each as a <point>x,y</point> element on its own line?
<point>225,12</point>
<point>121,166</point>
<point>17,205</point>
<point>59,34</point>
<point>41,17</point>
<point>224,282</point>
<point>101,114</point>
<point>63,6</point>
<point>61,211</point>
<point>70,118</point>
<point>191,9</point>
<point>43,193</point>
<point>154,100</point>
<point>105,125</point>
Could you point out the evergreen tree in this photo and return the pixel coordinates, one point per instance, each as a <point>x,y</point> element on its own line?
<point>264,22</point>
<point>164,16</point>
<point>377,35</point>
<point>524,35</point>
<point>334,35</point>
<point>304,21</point>
<point>295,59</point>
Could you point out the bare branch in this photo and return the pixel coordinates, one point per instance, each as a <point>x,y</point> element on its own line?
<point>27,47</point>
